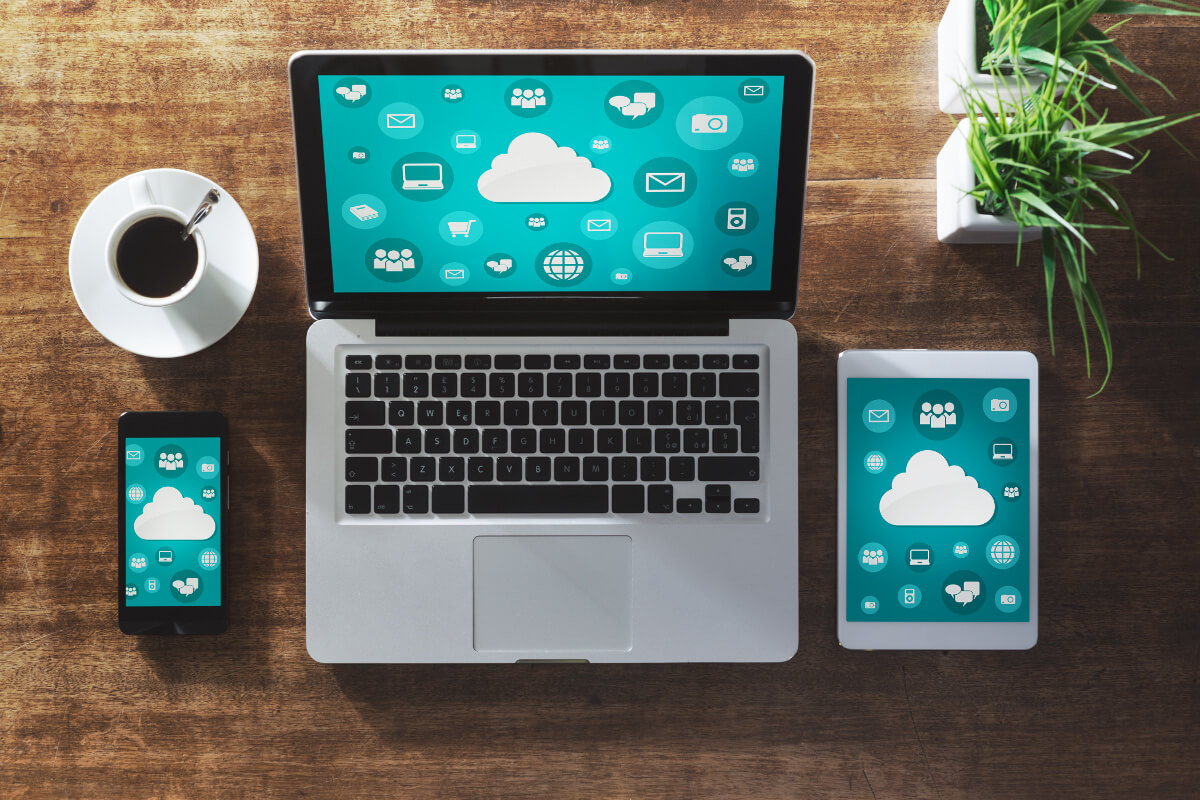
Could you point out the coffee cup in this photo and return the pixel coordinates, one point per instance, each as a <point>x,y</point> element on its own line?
<point>148,260</point>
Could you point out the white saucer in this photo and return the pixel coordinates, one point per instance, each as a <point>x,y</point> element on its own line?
<point>198,320</point>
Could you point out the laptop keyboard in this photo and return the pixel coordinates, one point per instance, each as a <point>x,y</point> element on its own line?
<point>593,433</point>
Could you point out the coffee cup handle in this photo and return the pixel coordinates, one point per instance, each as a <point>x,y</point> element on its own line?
<point>140,192</point>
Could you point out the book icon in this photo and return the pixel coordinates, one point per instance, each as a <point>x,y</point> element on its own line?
<point>364,212</point>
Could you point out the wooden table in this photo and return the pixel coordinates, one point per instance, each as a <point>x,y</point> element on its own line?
<point>1106,705</point>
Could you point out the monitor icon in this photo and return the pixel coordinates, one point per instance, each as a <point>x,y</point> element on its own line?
<point>421,176</point>
<point>1002,452</point>
<point>662,244</point>
<point>918,557</point>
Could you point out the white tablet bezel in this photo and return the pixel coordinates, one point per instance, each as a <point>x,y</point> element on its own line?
<point>938,635</point>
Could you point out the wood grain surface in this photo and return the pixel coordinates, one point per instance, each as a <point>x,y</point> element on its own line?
<point>1106,706</point>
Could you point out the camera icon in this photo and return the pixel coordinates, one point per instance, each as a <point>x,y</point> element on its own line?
<point>999,404</point>
<point>710,123</point>
<point>1008,599</point>
<point>208,467</point>
<point>869,604</point>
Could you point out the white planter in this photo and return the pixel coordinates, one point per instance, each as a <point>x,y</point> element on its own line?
<point>958,218</point>
<point>958,63</point>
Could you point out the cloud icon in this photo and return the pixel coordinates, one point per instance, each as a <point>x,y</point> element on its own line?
<point>932,492</point>
<point>170,515</point>
<point>536,170</point>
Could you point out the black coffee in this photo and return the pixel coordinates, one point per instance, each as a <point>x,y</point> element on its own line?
<point>153,260</point>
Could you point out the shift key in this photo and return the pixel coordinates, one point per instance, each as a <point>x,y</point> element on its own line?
<point>731,468</point>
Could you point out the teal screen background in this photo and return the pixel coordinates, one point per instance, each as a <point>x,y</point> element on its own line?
<point>970,447</point>
<point>190,484</point>
<point>576,116</point>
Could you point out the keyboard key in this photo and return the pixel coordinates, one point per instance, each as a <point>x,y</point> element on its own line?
<point>603,412</point>
<point>732,468</point>
<point>358,362</point>
<point>451,470</point>
<point>566,362</point>
<point>445,384</point>
<point>358,499</point>
<point>645,384</point>
<point>447,362</point>
<point>508,469</point>
<point>478,362</point>
<point>508,362</point>
<point>631,412</point>
<point>659,412</point>
<point>616,384</point>
<point>688,505</point>
<point>524,440</point>
<point>458,413</point>
<point>479,469</point>
<point>358,384</point>
<point>745,415</point>
<point>610,440</point>
<point>739,384</point>
<point>595,469</point>
<point>588,384</point>
<point>395,470</point>
<point>474,384</point>
<point>629,499</point>
<point>537,362</point>
<point>392,362</point>
<point>408,441</point>
<point>437,440</point>
<point>495,440</point>
<point>574,412</point>
<point>559,384</point>
<point>654,469</point>
<point>695,440</point>
<point>746,505</point>
<point>716,412</point>
<point>387,499</point>
<point>502,384</point>
<point>581,440</point>
<point>662,361</point>
<point>704,384</point>
<point>716,361</point>
<point>466,440</point>
<point>423,470</point>
<point>364,412</point>
<point>429,412</point>
<point>362,470</point>
<point>418,362</point>
<point>624,468</point>
<point>745,362</point>
<point>674,384</point>
<point>666,440</point>
<point>416,384</point>
<point>415,499</point>
<point>487,412</point>
<point>552,440</point>
<point>449,500</point>
<point>626,362</point>
<point>595,361</point>
<point>687,412</point>
<point>545,412</point>
<point>724,440</point>
<point>361,441</point>
<point>660,499</point>
<point>400,413</point>
<point>516,412</point>
<point>566,468</point>
<point>638,440</point>
<point>681,469</point>
<point>568,499</point>
<point>387,384</point>
<point>690,361</point>
<point>716,505</point>
<point>531,384</point>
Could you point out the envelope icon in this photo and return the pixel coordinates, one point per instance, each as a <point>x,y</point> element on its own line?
<point>753,91</point>
<point>599,225</point>
<point>402,120</point>
<point>879,415</point>
<point>666,181</point>
<point>459,274</point>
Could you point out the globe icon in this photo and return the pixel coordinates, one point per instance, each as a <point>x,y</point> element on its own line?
<point>136,494</point>
<point>209,558</point>
<point>564,265</point>
<point>875,462</point>
<point>1003,552</point>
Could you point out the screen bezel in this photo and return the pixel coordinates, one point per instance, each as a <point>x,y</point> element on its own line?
<point>934,364</point>
<point>779,301</point>
<point>172,619</point>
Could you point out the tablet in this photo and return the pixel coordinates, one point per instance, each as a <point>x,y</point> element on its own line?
<point>937,500</point>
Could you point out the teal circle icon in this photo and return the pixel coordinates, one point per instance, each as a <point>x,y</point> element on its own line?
<point>563,264</point>
<point>909,595</point>
<point>621,276</point>
<point>209,559</point>
<point>460,228</point>
<point>358,155</point>
<point>152,585</point>
<point>598,225</point>
<point>961,549</point>
<point>663,245</point>
<point>352,92</point>
<point>528,97</point>
<point>466,142</point>
<point>742,165</point>
<point>919,557</point>
<point>138,562</point>
<point>664,182</point>
<point>1011,492</point>
<point>738,263</point>
<point>134,455</point>
<point>938,415</point>
<point>453,93</point>
<point>536,221</point>
<point>600,145</point>
<point>171,461</point>
<point>500,265</point>
<point>753,90</point>
<point>999,405</point>
<point>875,462</point>
<point>208,493</point>
<point>964,592</point>
<point>633,104</point>
<point>363,211</point>
<point>1003,451</point>
<point>709,123</point>
<point>869,604</point>
<point>454,274</point>
<point>872,556</point>
<point>400,120</point>
<point>393,260</point>
<point>136,493</point>
<point>186,586</point>
<point>422,176</point>
<point>736,218</point>
<point>208,467</point>
<point>1008,599</point>
<point>879,416</point>
<point>1003,552</point>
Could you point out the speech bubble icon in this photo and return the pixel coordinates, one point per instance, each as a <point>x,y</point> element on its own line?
<point>648,99</point>
<point>634,110</point>
<point>618,101</point>
<point>953,589</point>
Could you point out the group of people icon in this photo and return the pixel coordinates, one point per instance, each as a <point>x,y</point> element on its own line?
<point>743,165</point>
<point>527,98</point>
<point>395,260</point>
<point>935,415</point>
<point>874,558</point>
<point>170,461</point>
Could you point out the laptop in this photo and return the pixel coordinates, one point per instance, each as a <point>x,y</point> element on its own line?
<point>551,388</point>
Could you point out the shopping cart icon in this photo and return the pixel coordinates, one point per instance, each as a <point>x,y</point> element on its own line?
<point>460,228</point>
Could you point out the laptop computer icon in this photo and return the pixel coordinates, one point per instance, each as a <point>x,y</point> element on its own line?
<point>1002,452</point>
<point>590,454</point>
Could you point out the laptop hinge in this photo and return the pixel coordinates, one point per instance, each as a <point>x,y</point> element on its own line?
<point>553,324</point>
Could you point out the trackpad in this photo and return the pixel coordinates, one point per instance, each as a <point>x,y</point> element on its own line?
<point>552,593</point>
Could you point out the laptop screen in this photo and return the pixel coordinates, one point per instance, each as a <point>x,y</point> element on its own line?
<point>554,183</point>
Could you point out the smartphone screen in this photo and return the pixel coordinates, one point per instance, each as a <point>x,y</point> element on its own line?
<point>172,521</point>
<point>937,500</point>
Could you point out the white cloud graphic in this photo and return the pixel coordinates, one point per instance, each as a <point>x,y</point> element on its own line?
<point>170,515</point>
<point>536,170</point>
<point>932,492</point>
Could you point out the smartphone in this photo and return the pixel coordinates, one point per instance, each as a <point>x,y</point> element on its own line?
<point>172,522</point>
<point>937,500</point>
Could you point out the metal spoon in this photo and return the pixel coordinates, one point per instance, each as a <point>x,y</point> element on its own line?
<point>206,206</point>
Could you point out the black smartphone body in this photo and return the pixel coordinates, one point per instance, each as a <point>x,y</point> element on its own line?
<point>172,522</point>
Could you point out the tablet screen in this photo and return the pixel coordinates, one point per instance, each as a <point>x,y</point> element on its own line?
<point>937,500</point>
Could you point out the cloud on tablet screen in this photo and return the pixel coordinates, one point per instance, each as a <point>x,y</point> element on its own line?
<point>170,515</point>
<point>933,492</point>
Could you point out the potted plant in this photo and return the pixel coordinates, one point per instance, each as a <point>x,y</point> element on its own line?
<point>987,46</point>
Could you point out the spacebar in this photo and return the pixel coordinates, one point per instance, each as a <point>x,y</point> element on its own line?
<point>537,499</point>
